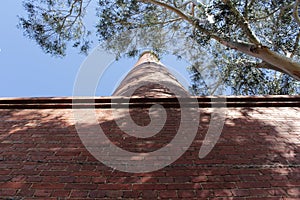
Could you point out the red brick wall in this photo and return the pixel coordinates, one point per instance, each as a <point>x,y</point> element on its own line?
<point>257,156</point>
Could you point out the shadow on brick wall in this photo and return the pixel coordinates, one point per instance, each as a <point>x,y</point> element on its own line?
<point>257,156</point>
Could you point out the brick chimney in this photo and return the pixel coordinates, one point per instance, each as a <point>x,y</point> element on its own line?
<point>150,78</point>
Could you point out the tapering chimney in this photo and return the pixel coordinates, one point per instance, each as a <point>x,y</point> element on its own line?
<point>147,57</point>
<point>150,78</point>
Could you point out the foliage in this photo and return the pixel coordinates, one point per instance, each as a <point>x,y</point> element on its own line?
<point>54,23</point>
<point>208,34</point>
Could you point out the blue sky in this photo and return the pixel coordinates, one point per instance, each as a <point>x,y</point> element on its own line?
<point>26,71</point>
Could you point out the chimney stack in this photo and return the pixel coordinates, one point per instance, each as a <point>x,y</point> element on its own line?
<point>149,78</point>
<point>147,57</point>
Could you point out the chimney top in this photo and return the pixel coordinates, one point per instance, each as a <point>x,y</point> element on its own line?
<point>146,57</point>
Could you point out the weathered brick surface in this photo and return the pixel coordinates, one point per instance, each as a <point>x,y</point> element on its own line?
<point>257,157</point>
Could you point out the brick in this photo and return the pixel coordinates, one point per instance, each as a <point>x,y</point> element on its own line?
<point>42,193</point>
<point>231,178</point>
<point>215,179</point>
<point>259,192</point>
<point>80,186</point>
<point>14,185</point>
<point>186,193</point>
<point>131,194</point>
<point>247,177</point>
<point>48,186</point>
<point>201,194</point>
<point>168,194</point>
<point>114,194</point>
<point>217,185</point>
<point>5,178</point>
<point>26,172</point>
<point>54,173</point>
<point>182,179</point>
<point>5,171</point>
<point>79,193</point>
<point>222,193</point>
<point>149,194</point>
<point>97,194</point>
<point>50,179</point>
<point>281,177</point>
<point>199,179</point>
<point>116,179</point>
<point>65,153</point>
<point>19,178</point>
<point>34,179</point>
<point>220,171</point>
<point>86,173</point>
<point>61,167</point>
<point>26,192</point>
<point>67,179</point>
<point>244,171</point>
<point>294,192</point>
<point>114,187</point>
<point>289,183</point>
<point>277,192</point>
<point>60,193</point>
<point>149,186</point>
<point>267,178</point>
<point>184,186</point>
<point>148,179</point>
<point>176,173</point>
<point>253,185</point>
<point>83,179</point>
<point>8,192</point>
<point>99,180</point>
<point>240,193</point>
<point>132,179</point>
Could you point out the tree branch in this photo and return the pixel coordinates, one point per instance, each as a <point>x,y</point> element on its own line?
<point>296,45</point>
<point>147,25</point>
<point>246,10</point>
<point>265,17</point>
<point>169,7</point>
<point>242,22</point>
<point>256,50</point>
<point>266,65</point>
<point>71,12</point>
<point>282,10</point>
<point>277,61</point>
<point>251,3</point>
<point>295,12</point>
